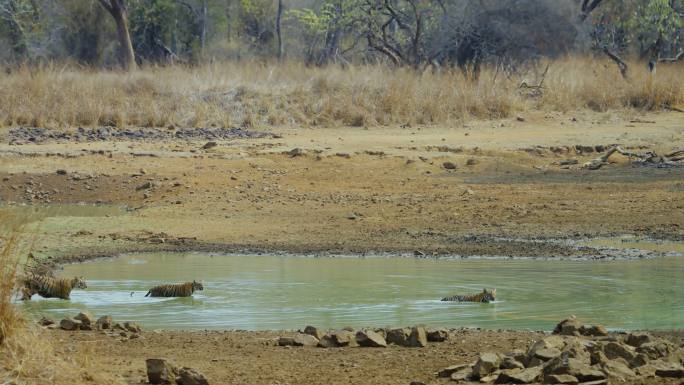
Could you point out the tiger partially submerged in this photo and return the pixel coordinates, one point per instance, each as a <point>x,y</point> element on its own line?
<point>178,290</point>
<point>486,296</point>
<point>49,287</point>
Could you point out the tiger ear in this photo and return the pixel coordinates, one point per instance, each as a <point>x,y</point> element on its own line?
<point>494,291</point>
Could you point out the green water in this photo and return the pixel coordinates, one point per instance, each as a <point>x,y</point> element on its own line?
<point>267,292</point>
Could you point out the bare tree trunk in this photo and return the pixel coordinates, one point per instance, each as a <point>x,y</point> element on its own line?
<point>117,9</point>
<point>203,35</point>
<point>279,16</point>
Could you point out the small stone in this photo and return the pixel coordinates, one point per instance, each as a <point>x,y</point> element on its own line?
<point>370,339</point>
<point>398,336</point>
<point>45,321</point>
<point>526,376</point>
<point>85,317</point>
<point>568,327</point>
<point>594,330</point>
<point>302,339</point>
<point>285,341</point>
<point>449,165</point>
<point>560,379</point>
<point>295,152</point>
<point>313,331</point>
<point>61,172</point>
<point>448,371</point>
<point>637,339</point>
<point>105,322</point>
<point>132,327</point>
<point>189,376</point>
<point>70,324</point>
<point>471,162</point>
<point>520,118</point>
<point>460,376</point>
<point>670,370</point>
<point>160,371</point>
<point>486,364</point>
<point>437,335</point>
<point>209,145</point>
<point>417,338</point>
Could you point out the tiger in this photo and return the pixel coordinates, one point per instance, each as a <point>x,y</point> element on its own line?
<point>486,296</point>
<point>178,290</point>
<point>50,287</point>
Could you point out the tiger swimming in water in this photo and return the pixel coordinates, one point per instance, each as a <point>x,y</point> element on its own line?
<point>178,290</point>
<point>50,287</point>
<point>486,296</point>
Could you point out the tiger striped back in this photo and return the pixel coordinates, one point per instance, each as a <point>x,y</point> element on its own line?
<point>178,290</point>
<point>50,287</point>
<point>486,296</point>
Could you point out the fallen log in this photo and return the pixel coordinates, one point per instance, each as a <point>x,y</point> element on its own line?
<point>646,158</point>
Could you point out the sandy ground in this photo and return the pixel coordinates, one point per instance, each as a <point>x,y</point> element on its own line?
<point>346,190</point>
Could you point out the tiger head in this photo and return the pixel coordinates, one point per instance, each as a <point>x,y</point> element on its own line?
<point>79,283</point>
<point>197,286</point>
<point>489,295</point>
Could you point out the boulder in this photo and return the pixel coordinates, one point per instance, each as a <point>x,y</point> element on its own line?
<point>655,349</point>
<point>461,376</point>
<point>437,335</point>
<point>370,339</point>
<point>285,341</point>
<point>189,376</point>
<point>614,350</point>
<point>314,331</point>
<point>160,371</point>
<point>344,338</point>
<point>526,376</point>
<point>560,379</point>
<point>598,358</point>
<point>45,321</point>
<point>447,372</point>
<point>417,338</point>
<point>670,370</point>
<point>398,336</point>
<point>486,364</point>
<point>639,360</point>
<point>573,367</point>
<point>382,332</point>
<point>544,350</point>
<point>509,362</point>
<point>594,330</point>
<point>104,323</point>
<point>132,327</point>
<point>302,339</point>
<point>327,341</point>
<point>85,317</point>
<point>546,354</point>
<point>70,324</point>
<point>568,327</point>
<point>637,339</point>
<point>617,370</point>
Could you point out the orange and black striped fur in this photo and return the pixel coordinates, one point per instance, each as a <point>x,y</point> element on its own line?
<point>179,290</point>
<point>486,296</point>
<point>50,287</point>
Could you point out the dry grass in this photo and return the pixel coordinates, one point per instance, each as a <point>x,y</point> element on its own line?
<point>25,355</point>
<point>256,94</point>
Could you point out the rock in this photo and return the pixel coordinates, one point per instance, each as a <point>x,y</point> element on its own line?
<point>573,367</point>
<point>160,371</point>
<point>344,338</point>
<point>70,324</point>
<point>132,327</point>
<point>526,376</point>
<point>285,341</point>
<point>568,327</point>
<point>471,162</point>
<point>544,350</point>
<point>461,376</point>
<point>561,379</point>
<point>209,145</point>
<point>617,370</point>
<point>370,339</point>
<point>637,339</point>
<point>449,165</point>
<point>398,336</point>
<point>509,362</point>
<point>382,332</point>
<point>327,342</point>
<point>417,338</point>
<point>520,118</point>
<point>313,331</point>
<point>295,152</point>
<point>614,350</point>
<point>302,339</point>
<point>85,317</point>
<point>105,322</point>
<point>655,349</point>
<point>568,162</point>
<point>447,372</point>
<point>145,186</point>
<point>45,321</point>
<point>189,376</point>
<point>490,378</point>
<point>61,172</point>
<point>437,335</point>
<point>546,354</point>
<point>598,358</point>
<point>639,360</point>
<point>594,330</point>
<point>486,365</point>
<point>670,370</point>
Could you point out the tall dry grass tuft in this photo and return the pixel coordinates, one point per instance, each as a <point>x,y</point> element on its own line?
<point>26,356</point>
<point>251,94</point>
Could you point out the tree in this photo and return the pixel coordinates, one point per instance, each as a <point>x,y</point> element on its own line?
<point>278,25</point>
<point>117,8</point>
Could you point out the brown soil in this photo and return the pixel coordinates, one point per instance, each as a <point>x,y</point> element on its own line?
<point>350,190</point>
<point>236,357</point>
